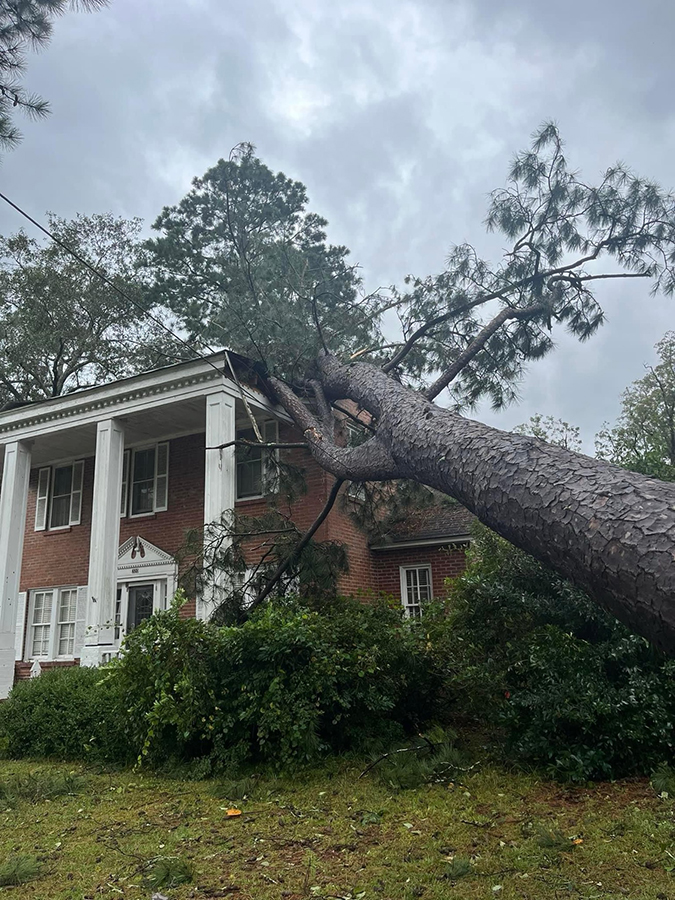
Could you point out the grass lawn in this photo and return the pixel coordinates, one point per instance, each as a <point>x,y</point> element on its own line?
<point>329,834</point>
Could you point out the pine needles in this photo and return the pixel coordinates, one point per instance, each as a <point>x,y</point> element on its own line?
<point>18,870</point>
<point>168,872</point>
<point>38,786</point>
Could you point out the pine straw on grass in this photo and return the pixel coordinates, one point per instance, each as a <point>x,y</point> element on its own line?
<point>328,834</point>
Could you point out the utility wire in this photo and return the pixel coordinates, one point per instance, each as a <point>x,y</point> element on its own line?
<point>104,278</point>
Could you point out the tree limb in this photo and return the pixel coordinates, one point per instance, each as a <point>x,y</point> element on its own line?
<point>285,564</point>
<point>477,345</point>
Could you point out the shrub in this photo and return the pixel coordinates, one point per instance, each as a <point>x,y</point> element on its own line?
<point>571,688</point>
<point>67,713</point>
<point>289,685</point>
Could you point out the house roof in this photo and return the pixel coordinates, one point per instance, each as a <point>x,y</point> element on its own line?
<point>441,523</point>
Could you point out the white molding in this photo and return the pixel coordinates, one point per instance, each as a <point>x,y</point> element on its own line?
<point>150,390</point>
<point>435,542</point>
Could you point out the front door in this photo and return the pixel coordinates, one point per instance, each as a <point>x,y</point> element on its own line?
<point>140,606</point>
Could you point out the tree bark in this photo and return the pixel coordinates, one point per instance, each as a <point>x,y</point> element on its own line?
<point>610,531</point>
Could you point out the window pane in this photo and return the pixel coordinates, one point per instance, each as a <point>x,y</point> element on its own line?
<point>40,640</point>
<point>63,480</point>
<point>143,487</point>
<point>143,497</point>
<point>60,512</point>
<point>249,479</point>
<point>66,639</point>
<point>61,490</point>
<point>42,610</point>
<point>144,464</point>
<point>68,606</point>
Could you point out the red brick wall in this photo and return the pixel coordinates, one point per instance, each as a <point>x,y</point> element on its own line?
<point>337,527</point>
<point>445,563</point>
<point>53,558</point>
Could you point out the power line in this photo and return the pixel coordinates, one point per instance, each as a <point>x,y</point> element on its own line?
<point>104,278</point>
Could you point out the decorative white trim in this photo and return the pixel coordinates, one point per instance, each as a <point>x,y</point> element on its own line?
<point>463,539</point>
<point>128,395</point>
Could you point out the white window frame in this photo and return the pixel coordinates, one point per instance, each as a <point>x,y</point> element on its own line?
<point>44,503</point>
<point>54,624</point>
<point>127,496</point>
<point>270,431</point>
<point>405,602</point>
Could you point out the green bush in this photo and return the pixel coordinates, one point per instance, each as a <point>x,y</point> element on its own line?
<point>568,686</point>
<point>289,685</point>
<point>67,713</point>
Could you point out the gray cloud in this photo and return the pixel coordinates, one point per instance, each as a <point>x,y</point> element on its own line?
<point>399,116</point>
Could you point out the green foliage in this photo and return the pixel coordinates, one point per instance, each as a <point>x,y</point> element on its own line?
<point>37,786</point>
<point>19,869</point>
<point>562,233</point>
<point>663,781</point>
<point>61,328</point>
<point>287,686</point>
<point>66,713</point>
<point>458,867</point>
<point>553,431</point>
<point>553,839</point>
<point>26,25</point>
<point>168,872</point>
<point>644,437</point>
<point>411,767</point>
<point>570,689</point>
<point>240,261</point>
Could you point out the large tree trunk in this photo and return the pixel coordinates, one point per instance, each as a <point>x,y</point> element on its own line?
<point>610,531</point>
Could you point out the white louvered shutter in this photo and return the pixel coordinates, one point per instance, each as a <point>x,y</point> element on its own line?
<point>162,477</point>
<point>76,493</point>
<point>20,633</point>
<point>125,483</point>
<point>81,620</point>
<point>42,501</point>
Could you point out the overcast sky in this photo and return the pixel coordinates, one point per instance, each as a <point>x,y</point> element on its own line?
<point>399,117</point>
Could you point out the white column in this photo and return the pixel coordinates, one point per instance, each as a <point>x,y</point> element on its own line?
<point>13,501</point>
<point>104,545</point>
<point>219,486</point>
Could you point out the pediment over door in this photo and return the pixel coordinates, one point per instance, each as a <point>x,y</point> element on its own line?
<point>139,557</point>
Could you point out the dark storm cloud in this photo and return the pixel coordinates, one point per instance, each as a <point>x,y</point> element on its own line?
<point>400,117</point>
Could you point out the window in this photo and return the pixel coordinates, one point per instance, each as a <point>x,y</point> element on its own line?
<point>145,480</point>
<point>59,496</point>
<point>415,589</point>
<point>255,465</point>
<point>66,622</point>
<point>53,620</point>
<point>42,622</point>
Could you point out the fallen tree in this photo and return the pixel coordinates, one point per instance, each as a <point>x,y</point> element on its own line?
<point>472,330</point>
<point>609,530</point>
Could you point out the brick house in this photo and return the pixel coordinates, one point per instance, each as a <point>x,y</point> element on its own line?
<point>100,486</point>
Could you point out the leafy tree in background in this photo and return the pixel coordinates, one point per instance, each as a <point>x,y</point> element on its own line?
<point>26,25</point>
<point>61,328</point>
<point>243,264</point>
<point>553,431</point>
<point>643,439</point>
